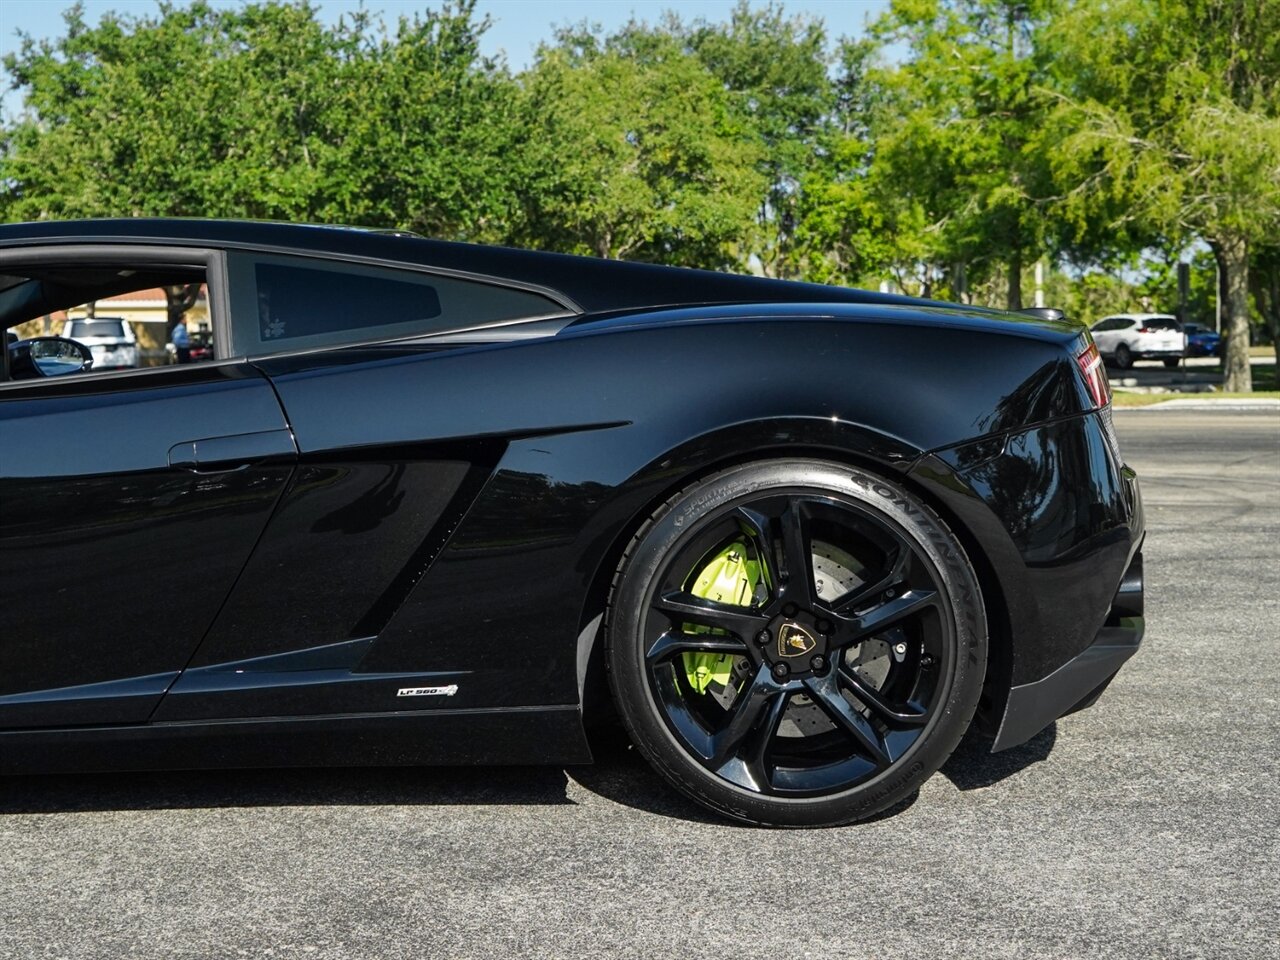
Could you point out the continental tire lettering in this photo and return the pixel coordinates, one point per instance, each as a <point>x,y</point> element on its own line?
<point>878,795</point>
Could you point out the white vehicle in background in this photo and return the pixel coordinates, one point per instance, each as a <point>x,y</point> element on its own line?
<point>1126,337</point>
<point>110,339</point>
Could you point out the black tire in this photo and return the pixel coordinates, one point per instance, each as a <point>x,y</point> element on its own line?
<point>1172,363</point>
<point>1124,357</point>
<point>939,662</point>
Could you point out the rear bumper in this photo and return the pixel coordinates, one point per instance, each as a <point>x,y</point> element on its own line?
<point>1157,354</point>
<point>1080,681</point>
<point>1058,517</point>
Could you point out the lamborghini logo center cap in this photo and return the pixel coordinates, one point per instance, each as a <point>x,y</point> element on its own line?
<point>794,640</point>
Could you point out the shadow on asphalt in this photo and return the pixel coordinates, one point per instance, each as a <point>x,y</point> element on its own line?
<point>374,786</point>
<point>628,780</point>
<point>619,774</point>
<point>973,766</point>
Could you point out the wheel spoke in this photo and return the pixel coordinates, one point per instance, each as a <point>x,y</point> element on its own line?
<point>755,525</point>
<point>797,553</point>
<point>754,754</point>
<point>826,694</point>
<point>739,751</point>
<point>895,573</point>
<point>747,710</point>
<point>673,642</point>
<point>885,615</point>
<point>780,528</point>
<point>682,607</point>
<point>912,715</point>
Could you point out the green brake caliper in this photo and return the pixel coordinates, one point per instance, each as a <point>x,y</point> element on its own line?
<point>730,578</point>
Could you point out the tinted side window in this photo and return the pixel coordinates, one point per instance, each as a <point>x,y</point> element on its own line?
<point>1161,323</point>
<point>287,303</point>
<point>305,301</point>
<point>1115,323</point>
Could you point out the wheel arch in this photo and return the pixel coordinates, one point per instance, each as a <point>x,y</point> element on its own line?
<point>594,694</point>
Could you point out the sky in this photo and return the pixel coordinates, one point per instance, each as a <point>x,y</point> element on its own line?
<point>518,25</point>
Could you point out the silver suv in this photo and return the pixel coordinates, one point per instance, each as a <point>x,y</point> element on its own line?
<point>110,339</point>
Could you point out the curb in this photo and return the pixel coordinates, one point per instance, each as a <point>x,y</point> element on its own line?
<point>1265,405</point>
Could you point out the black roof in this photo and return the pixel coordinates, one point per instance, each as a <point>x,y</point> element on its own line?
<point>595,285</point>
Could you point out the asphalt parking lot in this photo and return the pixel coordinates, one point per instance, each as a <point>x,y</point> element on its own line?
<point>1148,826</point>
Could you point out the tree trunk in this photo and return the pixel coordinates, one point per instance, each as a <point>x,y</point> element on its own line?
<point>959,283</point>
<point>178,300</point>
<point>1237,377</point>
<point>1264,285</point>
<point>1274,313</point>
<point>1264,278</point>
<point>1015,280</point>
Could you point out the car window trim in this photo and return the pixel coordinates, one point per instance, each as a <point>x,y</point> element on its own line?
<point>210,259</point>
<point>105,377</point>
<point>391,263</point>
<point>354,341</point>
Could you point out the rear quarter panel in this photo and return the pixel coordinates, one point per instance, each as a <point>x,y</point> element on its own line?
<point>589,430</point>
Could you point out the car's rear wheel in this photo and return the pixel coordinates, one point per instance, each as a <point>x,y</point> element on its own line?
<point>796,643</point>
<point>1124,357</point>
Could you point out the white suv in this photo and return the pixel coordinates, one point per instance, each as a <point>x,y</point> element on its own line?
<point>1127,337</point>
<point>110,339</point>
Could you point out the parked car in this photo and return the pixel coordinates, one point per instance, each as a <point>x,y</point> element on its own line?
<point>445,503</point>
<point>201,348</point>
<point>1127,337</point>
<point>110,339</point>
<point>1201,341</point>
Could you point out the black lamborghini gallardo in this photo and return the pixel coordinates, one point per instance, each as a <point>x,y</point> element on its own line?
<point>442,503</point>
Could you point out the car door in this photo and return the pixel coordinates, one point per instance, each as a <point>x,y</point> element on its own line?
<point>129,504</point>
<point>362,520</point>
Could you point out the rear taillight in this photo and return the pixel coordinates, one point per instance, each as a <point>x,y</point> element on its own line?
<point>1095,376</point>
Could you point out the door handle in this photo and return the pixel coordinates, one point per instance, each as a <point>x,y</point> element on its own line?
<point>235,452</point>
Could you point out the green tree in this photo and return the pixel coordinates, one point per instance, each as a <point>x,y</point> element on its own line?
<point>424,129</point>
<point>955,129</point>
<point>645,158</point>
<point>1168,123</point>
<point>855,223</point>
<point>776,68</point>
<point>263,111</point>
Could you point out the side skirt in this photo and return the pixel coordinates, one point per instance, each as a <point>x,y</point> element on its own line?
<point>517,736</point>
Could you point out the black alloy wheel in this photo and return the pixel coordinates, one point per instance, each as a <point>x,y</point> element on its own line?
<point>796,643</point>
<point>1124,357</point>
